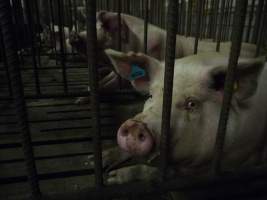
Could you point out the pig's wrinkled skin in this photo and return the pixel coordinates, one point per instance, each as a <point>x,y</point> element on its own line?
<point>132,34</point>
<point>196,104</point>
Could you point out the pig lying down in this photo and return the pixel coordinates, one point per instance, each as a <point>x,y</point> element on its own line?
<point>196,105</point>
<point>132,32</point>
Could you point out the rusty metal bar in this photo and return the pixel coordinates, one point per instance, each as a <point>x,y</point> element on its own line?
<point>146,2</point>
<point>262,30</point>
<point>238,28</point>
<point>62,44</point>
<point>93,82</point>
<point>18,94</point>
<point>197,31</point>
<point>251,15</point>
<point>29,11</point>
<point>168,85</point>
<point>219,33</point>
<point>257,21</point>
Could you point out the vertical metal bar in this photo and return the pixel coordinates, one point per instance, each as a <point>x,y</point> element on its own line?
<point>37,26</point>
<point>70,15</point>
<point>226,15</point>
<point>199,8</point>
<point>228,29</point>
<point>93,77</point>
<point>238,28</point>
<point>179,17</point>
<point>19,18</point>
<point>33,48</point>
<point>189,18</point>
<point>203,21</point>
<point>53,35</point>
<point>157,10</point>
<point>219,34</point>
<point>75,16</point>
<point>18,94</point>
<point>146,24</point>
<point>107,3</point>
<point>5,63</point>
<point>168,85</point>
<point>62,42</point>
<point>183,12</point>
<point>211,18</point>
<point>262,30</point>
<point>119,23</point>
<point>251,14</point>
<point>257,21</point>
<point>216,11</point>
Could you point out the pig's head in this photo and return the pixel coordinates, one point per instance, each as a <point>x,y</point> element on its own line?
<point>107,26</point>
<point>198,90</point>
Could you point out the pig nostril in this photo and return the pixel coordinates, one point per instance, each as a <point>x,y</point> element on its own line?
<point>141,137</point>
<point>125,132</point>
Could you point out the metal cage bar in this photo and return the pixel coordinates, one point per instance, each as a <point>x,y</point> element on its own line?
<point>18,94</point>
<point>3,56</point>
<point>219,33</point>
<point>189,17</point>
<point>29,10</point>
<point>238,28</point>
<point>168,84</point>
<point>119,25</point>
<point>93,77</point>
<point>262,30</point>
<point>257,21</point>
<point>61,42</point>
<point>146,15</point>
<point>216,11</point>
<point>198,25</point>
<point>251,15</point>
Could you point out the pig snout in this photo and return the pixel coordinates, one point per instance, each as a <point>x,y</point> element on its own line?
<point>135,138</point>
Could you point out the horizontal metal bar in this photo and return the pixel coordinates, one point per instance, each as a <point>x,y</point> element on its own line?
<point>52,142</point>
<point>79,94</point>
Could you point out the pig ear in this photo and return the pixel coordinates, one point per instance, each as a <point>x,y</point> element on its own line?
<point>138,68</point>
<point>247,75</point>
<point>110,24</point>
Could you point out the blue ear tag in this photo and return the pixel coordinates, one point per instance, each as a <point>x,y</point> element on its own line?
<point>136,72</point>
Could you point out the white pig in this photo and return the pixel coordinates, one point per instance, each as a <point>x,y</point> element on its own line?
<point>196,105</point>
<point>132,38</point>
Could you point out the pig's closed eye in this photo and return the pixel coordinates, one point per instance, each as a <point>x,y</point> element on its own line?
<point>191,104</point>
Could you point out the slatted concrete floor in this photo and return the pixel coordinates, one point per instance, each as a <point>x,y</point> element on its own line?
<point>61,134</point>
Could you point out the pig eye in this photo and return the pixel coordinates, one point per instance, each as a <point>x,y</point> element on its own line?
<point>191,104</point>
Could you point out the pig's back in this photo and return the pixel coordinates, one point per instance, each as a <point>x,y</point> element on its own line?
<point>188,43</point>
